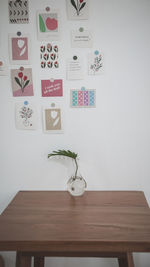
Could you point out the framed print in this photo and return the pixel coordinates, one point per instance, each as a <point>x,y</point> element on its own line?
<point>18,11</point>
<point>49,56</point>
<point>51,88</point>
<point>77,9</point>
<point>52,120</point>
<point>26,116</point>
<point>19,49</point>
<point>83,98</point>
<point>48,25</point>
<point>22,84</point>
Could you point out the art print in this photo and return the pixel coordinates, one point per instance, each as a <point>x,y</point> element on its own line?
<point>49,56</point>
<point>26,116</point>
<point>83,98</point>
<point>51,88</point>
<point>81,38</point>
<point>18,11</point>
<point>95,63</point>
<point>74,69</point>
<point>52,120</point>
<point>48,25</point>
<point>22,84</point>
<point>77,9</point>
<point>19,49</point>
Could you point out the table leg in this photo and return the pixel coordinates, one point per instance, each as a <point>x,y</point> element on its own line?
<point>23,260</point>
<point>126,260</point>
<point>38,261</point>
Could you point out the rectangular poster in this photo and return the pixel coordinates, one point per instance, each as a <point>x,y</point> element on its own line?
<point>51,88</point>
<point>18,11</point>
<point>81,38</point>
<point>48,25</point>
<point>95,63</point>
<point>49,56</point>
<point>77,9</point>
<point>74,69</point>
<point>19,49</point>
<point>26,116</point>
<point>52,120</point>
<point>22,84</point>
<point>83,98</point>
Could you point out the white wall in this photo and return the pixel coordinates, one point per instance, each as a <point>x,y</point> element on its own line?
<point>112,140</point>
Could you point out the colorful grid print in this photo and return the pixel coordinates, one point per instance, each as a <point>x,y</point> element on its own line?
<point>83,98</point>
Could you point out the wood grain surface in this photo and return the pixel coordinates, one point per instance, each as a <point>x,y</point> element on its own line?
<point>56,222</point>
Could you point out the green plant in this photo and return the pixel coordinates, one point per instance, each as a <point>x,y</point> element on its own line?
<point>66,153</point>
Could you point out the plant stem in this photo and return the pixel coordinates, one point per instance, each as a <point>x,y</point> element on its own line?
<point>76,167</point>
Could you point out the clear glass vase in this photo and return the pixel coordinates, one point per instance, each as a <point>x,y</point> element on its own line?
<point>76,185</point>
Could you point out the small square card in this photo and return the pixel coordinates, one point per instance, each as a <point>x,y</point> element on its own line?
<point>52,120</point>
<point>48,25</point>
<point>26,116</point>
<point>83,98</point>
<point>51,88</point>
<point>19,49</point>
<point>22,84</point>
<point>77,9</point>
<point>18,11</point>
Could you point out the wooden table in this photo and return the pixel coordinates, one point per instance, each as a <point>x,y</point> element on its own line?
<point>97,224</point>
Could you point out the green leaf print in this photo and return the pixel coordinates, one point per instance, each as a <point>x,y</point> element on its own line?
<point>42,24</point>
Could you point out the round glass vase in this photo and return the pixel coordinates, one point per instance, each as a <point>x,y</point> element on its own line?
<point>76,185</point>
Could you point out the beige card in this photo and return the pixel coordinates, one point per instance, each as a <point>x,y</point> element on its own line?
<point>52,120</point>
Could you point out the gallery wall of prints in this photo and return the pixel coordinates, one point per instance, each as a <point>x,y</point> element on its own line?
<point>74,75</point>
<point>50,61</point>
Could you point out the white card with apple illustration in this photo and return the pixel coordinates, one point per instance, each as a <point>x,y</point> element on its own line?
<point>48,25</point>
<point>52,120</point>
<point>19,49</point>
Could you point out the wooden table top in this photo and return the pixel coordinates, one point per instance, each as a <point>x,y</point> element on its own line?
<point>116,221</point>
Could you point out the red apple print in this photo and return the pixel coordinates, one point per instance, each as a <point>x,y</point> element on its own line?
<point>51,24</point>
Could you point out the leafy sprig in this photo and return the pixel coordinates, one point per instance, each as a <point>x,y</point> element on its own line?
<point>66,153</point>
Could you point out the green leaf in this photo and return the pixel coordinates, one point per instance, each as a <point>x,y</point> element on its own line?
<point>42,24</point>
<point>18,82</point>
<point>82,6</point>
<point>66,153</point>
<point>73,3</point>
<point>26,83</point>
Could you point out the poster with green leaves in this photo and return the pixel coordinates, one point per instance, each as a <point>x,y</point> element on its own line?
<point>77,9</point>
<point>48,25</point>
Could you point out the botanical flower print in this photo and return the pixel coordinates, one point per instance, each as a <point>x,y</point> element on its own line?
<point>78,5</point>
<point>49,56</point>
<point>22,81</point>
<point>26,114</point>
<point>22,84</point>
<point>97,64</point>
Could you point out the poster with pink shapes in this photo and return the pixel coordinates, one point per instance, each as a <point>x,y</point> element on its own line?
<point>51,88</point>
<point>19,49</point>
<point>22,84</point>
